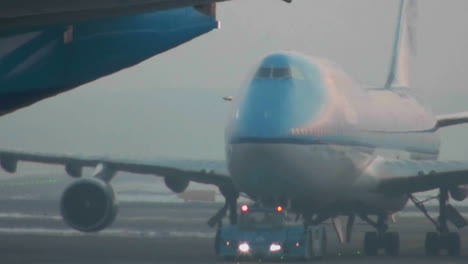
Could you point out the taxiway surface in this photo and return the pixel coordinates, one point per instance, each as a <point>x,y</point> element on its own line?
<point>31,231</point>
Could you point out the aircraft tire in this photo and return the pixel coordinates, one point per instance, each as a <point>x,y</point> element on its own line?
<point>453,244</point>
<point>392,243</point>
<point>371,243</point>
<point>432,243</point>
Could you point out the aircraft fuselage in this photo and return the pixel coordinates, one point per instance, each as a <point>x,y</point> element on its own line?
<point>303,131</point>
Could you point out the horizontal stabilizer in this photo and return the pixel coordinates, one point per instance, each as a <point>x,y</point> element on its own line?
<point>451,119</point>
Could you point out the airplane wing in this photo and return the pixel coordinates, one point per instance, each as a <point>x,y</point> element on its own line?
<point>202,171</point>
<point>410,176</point>
<point>89,204</point>
<point>27,13</point>
<point>451,119</point>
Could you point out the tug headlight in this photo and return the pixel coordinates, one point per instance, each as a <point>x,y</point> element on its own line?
<point>244,247</point>
<point>275,247</point>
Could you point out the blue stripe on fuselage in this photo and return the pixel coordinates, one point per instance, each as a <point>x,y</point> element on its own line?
<point>271,107</point>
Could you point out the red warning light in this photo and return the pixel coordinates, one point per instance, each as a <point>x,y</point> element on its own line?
<point>279,208</point>
<point>244,208</point>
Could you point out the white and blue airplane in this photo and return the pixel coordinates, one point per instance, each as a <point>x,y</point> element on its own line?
<point>304,134</point>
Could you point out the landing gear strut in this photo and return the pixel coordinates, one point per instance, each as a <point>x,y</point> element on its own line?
<point>442,239</point>
<point>373,241</point>
<point>230,203</point>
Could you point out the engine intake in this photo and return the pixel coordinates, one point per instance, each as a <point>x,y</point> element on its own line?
<point>89,205</point>
<point>9,164</point>
<point>459,193</point>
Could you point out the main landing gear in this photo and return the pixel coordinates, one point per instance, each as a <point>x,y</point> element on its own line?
<point>443,239</point>
<point>374,241</point>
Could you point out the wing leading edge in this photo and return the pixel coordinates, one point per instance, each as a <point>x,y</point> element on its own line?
<point>408,176</point>
<point>451,119</point>
<point>202,171</point>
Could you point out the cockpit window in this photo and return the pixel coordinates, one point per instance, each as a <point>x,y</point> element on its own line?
<point>279,73</point>
<point>263,73</point>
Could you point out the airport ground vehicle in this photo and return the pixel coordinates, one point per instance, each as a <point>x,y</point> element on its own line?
<point>266,233</point>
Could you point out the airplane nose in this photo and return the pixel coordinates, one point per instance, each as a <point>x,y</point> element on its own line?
<point>266,111</point>
<point>272,108</point>
<point>284,93</point>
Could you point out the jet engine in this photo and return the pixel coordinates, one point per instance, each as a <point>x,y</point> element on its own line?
<point>176,184</point>
<point>89,205</point>
<point>459,192</point>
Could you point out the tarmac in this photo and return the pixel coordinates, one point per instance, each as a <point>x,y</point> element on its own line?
<point>31,231</point>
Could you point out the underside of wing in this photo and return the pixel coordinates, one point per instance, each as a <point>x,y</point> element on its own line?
<point>38,61</point>
<point>27,13</point>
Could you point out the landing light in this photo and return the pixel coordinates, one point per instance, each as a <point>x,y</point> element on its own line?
<point>279,208</point>
<point>244,247</point>
<point>244,208</point>
<point>275,247</point>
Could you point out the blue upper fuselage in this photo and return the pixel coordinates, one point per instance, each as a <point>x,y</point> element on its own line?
<point>296,99</point>
<point>285,92</point>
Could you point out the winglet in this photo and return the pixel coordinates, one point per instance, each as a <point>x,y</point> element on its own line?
<point>404,46</point>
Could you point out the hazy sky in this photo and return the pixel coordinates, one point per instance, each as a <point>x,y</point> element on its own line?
<point>171,104</point>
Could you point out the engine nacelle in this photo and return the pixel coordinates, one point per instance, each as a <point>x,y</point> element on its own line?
<point>176,184</point>
<point>459,192</point>
<point>9,164</point>
<point>74,170</point>
<point>88,205</point>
